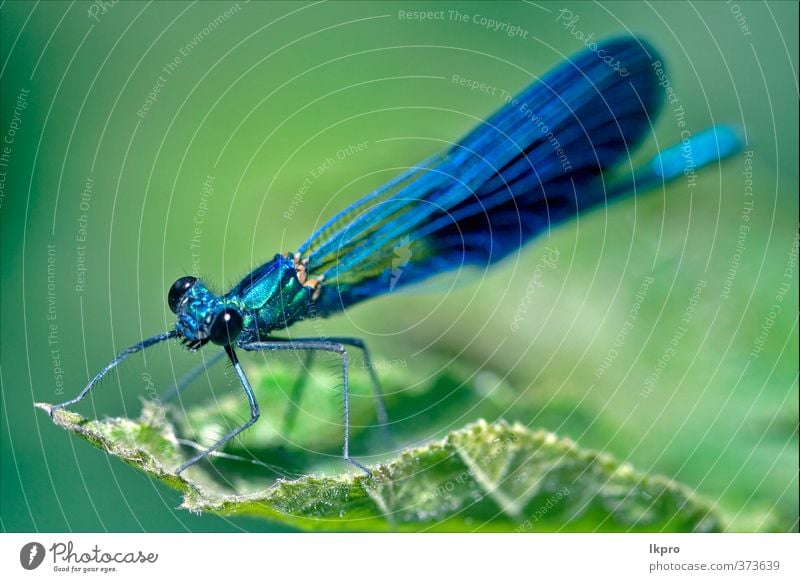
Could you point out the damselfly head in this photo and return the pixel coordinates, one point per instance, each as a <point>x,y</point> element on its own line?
<point>202,316</point>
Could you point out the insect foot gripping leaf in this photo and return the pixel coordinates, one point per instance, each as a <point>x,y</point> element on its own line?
<point>484,477</point>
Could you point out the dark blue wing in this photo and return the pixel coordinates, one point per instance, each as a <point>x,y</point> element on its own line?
<point>536,162</point>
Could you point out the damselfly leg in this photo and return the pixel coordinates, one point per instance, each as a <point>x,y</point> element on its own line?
<point>254,413</point>
<point>112,364</point>
<point>380,403</point>
<point>324,346</point>
<point>297,390</point>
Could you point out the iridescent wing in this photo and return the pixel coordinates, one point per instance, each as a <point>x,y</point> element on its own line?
<point>536,162</point>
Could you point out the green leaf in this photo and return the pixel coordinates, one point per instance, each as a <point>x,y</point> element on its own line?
<point>484,477</point>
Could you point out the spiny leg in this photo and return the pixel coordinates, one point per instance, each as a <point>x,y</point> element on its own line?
<point>380,402</point>
<point>192,375</point>
<point>112,364</point>
<point>325,346</point>
<point>254,413</point>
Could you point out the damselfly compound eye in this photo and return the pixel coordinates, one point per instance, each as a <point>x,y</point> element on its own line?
<point>178,290</point>
<point>226,327</point>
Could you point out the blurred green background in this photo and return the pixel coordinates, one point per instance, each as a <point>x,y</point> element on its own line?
<point>105,203</point>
